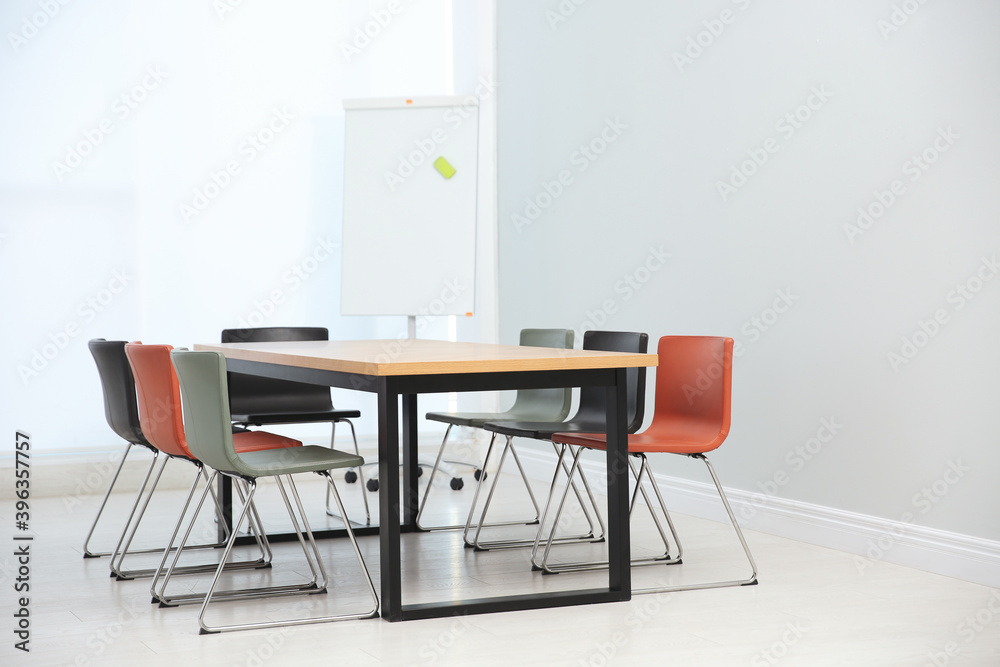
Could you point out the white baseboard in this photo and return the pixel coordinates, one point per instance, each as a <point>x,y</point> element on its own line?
<point>870,539</point>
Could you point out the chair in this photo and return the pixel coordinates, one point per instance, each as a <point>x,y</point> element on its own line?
<point>261,401</point>
<point>207,414</point>
<point>690,419</point>
<point>590,417</point>
<point>122,415</point>
<point>160,416</point>
<point>546,405</point>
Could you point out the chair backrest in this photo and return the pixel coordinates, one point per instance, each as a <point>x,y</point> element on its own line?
<point>250,394</point>
<point>207,428</point>
<point>592,407</point>
<point>694,382</point>
<point>556,401</point>
<point>118,385</point>
<point>159,397</point>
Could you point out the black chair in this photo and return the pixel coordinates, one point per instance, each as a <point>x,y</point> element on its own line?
<point>590,417</point>
<point>122,414</point>
<point>548,404</point>
<point>259,401</point>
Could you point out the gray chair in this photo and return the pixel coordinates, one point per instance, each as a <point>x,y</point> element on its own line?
<point>205,400</point>
<point>590,417</point>
<point>546,405</point>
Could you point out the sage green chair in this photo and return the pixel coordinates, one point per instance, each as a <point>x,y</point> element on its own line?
<point>537,405</point>
<point>207,428</point>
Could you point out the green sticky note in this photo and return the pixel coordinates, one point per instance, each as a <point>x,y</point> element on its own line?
<point>444,167</point>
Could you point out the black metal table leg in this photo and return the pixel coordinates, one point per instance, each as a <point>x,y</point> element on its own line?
<point>411,498</point>
<point>389,509</point>
<point>619,559</point>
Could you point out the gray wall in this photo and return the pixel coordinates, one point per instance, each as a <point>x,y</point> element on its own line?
<point>818,308</point>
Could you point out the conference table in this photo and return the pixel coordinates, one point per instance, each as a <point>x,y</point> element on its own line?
<point>398,371</point>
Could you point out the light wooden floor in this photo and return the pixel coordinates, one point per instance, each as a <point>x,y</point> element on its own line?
<point>813,606</point>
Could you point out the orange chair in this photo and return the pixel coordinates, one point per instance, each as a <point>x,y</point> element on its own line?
<point>160,416</point>
<point>691,418</point>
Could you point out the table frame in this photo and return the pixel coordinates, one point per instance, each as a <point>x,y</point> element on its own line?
<point>397,513</point>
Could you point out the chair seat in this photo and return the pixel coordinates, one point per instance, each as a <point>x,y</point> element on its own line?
<point>256,441</point>
<point>307,458</point>
<point>477,419</point>
<point>296,417</point>
<point>543,430</point>
<point>692,437</point>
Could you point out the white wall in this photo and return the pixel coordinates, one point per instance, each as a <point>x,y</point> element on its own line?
<point>260,249</point>
<point>570,71</point>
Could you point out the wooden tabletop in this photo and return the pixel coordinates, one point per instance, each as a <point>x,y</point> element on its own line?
<point>424,357</point>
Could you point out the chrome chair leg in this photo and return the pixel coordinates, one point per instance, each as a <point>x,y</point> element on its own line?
<point>87,553</point>
<point>749,581</point>
<point>360,472</point>
<point>562,502</point>
<point>666,558</point>
<point>638,475</point>
<point>583,506</point>
<point>438,461</point>
<point>135,506</point>
<point>308,542</point>
<point>567,567</point>
<point>149,470</point>
<point>430,483</point>
<point>313,560</point>
<point>249,510</point>
<point>529,542</point>
<point>489,497</point>
<point>119,557</point>
<point>561,451</point>
<point>256,528</point>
